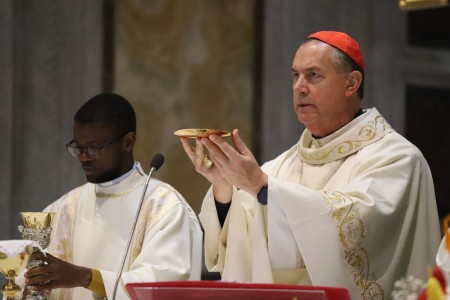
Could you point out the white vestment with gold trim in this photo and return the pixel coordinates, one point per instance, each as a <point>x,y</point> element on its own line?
<point>356,209</point>
<point>93,224</point>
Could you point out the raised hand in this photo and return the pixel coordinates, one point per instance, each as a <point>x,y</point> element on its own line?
<point>222,188</point>
<point>236,164</point>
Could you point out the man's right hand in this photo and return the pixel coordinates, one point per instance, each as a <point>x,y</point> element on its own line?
<point>56,273</point>
<point>222,189</point>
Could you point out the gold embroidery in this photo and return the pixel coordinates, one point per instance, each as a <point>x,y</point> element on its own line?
<point>366,133</point>
<point>64,253</point>
<point>352,232</point>
<point>148,220</point>
<point>70,212</point>
<point>120,194</point>
<point>63,226</point>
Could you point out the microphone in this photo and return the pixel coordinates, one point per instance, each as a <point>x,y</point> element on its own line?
<point>157,161</point>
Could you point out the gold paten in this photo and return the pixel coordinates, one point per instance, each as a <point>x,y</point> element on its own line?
<point>199,133</point>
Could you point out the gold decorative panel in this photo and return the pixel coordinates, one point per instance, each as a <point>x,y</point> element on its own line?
<point>421,4</point>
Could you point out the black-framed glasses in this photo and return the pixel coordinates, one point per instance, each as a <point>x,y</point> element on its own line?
<point>93,152</point>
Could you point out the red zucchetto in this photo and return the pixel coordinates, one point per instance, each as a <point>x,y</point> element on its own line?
<point>343,42</point>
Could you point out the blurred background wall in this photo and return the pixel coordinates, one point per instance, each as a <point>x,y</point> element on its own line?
<point>185,64</point>
<point>220,64</point>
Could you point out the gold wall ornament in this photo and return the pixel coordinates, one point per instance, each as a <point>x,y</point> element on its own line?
<point>421,4</point>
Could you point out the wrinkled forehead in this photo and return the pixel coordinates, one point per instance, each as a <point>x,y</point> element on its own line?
<point>314,53</point>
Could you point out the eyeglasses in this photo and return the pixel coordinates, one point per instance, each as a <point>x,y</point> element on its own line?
<point>93,152</point>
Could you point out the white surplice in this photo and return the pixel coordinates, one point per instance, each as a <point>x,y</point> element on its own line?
<point>356,209</point>
<point>93,223</point>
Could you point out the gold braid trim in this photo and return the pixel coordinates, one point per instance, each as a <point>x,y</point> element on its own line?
<point>97,286</point>
<point>352,233</point>
<point>118,194</point>
<point>368,133</point>
<point>148,220</point>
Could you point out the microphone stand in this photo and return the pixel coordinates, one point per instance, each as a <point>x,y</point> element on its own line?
<point>132,232</point>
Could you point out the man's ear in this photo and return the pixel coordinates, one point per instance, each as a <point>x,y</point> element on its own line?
<point>354,80</point>
<point>130,140</point>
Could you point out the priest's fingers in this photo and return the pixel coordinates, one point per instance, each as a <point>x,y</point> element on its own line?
<point>216,145</point>
<point>240,166</point>
<point>234,154</point>
<point>38,265</point>
<point>40,282</point>
<point>205,166</point>
<point>58,274</point>
<point>41,256</point>
<point>190,151</point>
<point>38,278</point>
<point>200,160</point>
<point>240,145</point>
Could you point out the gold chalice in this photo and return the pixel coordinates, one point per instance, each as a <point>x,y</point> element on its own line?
<point>37,227</point>
<point>14,256</point>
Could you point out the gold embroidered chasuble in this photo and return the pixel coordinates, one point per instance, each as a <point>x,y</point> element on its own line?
<point>355,209</point>
<point>93,224</point>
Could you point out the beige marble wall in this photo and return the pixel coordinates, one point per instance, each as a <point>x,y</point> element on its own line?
<point>184,64</point>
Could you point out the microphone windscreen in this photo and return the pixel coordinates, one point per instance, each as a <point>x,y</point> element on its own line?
<point>157,161</point>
